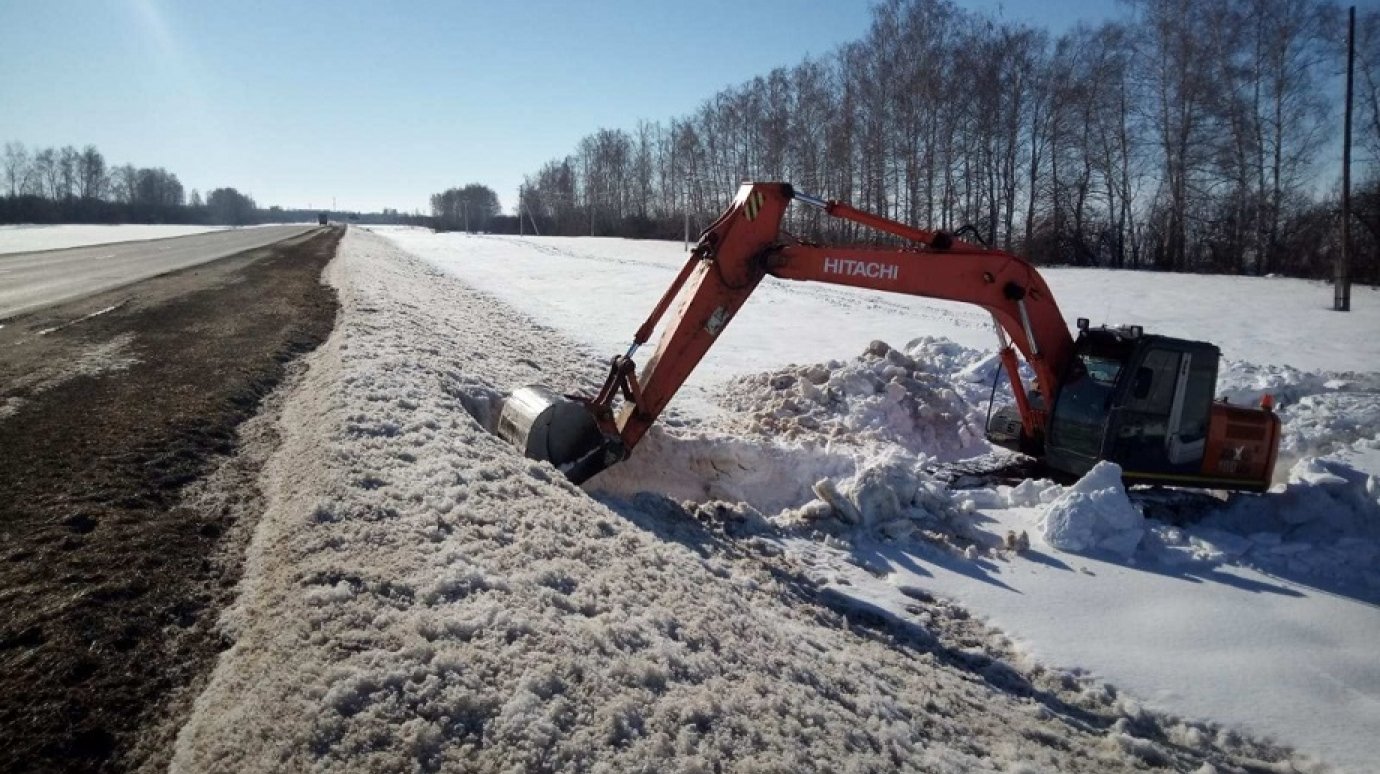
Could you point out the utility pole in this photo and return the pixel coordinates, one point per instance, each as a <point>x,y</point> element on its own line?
<point>1341,283</point>
<point>535,231</point>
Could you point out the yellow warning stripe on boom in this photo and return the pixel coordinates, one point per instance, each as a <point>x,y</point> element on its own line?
<point>753,205</point>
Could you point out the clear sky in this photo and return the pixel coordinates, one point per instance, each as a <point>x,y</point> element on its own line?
<point>380,104</point>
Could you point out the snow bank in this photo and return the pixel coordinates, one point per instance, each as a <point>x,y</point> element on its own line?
<point>1322,529</point>
<point>418,597</point>
<point>840,448</point>
<point>1094,514</point>
<point>837,445</point>
<point>901,397</point>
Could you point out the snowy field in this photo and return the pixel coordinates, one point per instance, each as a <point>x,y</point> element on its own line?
<point>24,239</point>
<point>1261,614</point>
<point>417,597</point>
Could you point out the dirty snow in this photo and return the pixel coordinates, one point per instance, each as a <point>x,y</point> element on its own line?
<point>1261,612</point>
<point>115,354</point>
<point>418,597</point>
<point>30,238</point>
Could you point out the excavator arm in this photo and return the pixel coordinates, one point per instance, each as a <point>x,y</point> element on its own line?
<point>745,245</point>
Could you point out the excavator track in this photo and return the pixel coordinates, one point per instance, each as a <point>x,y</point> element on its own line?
<point>1179,506</point>
<point>1166,504</point>
<point>991,469</point>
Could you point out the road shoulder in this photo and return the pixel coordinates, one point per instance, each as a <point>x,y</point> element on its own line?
<point>122,521</point>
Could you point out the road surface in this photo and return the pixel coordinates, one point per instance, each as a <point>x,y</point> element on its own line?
<point>32,280</point>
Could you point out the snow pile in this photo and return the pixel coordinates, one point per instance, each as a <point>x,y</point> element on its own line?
<point>844,492</point>
<point>885,395</point>
<point>1244,384</point>
<point>891,495</point>
<point>417,597</point>
<point>1321,412</point>
<point>1094,514</point>
<point>1324,527</point>
<point>700,466</point>
<point>1322,423</point>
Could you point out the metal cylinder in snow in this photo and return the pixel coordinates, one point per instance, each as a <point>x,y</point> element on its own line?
<point>545,425</point>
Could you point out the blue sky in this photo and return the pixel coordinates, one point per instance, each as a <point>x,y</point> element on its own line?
<point>380,104</point>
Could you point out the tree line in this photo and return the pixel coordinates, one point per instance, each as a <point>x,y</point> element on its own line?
<point>1190,135</point>
<point>472,208</point>
<point>66,185</point>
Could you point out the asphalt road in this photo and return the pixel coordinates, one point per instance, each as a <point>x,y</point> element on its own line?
<point>32,280</point>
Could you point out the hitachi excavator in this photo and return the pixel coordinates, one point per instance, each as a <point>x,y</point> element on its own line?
<point>1142,401</point>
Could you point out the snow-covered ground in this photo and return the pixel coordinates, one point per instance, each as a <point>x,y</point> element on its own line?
<point>599,290</point>
<point>418,597</point>
<point>30,238</point>
<point>1261,614</point>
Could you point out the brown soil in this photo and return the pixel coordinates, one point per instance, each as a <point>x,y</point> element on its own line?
<point>111,576</point>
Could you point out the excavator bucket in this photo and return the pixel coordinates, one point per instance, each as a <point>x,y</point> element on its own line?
<point>545,425</point>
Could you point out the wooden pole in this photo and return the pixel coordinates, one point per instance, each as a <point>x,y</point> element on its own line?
<point>1341,301</point>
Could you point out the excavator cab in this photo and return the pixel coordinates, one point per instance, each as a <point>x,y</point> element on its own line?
<point>1146,403</point>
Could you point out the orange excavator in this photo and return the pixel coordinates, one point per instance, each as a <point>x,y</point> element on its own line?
<point>1142,401</point>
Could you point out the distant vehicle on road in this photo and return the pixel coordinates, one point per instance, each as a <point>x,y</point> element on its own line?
<point>321,219</point>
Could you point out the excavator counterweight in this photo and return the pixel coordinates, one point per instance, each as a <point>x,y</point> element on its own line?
<point>1145,402</point>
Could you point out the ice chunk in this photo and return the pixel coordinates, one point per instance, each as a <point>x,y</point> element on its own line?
<point>1094,513</point>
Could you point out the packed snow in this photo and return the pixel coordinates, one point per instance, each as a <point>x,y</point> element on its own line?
<point>31,238</point>
<point>1259,612</point>
<point>1094,515</point>
<point>419,597</point>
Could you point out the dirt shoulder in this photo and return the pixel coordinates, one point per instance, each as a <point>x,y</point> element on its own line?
<point>115,556</point>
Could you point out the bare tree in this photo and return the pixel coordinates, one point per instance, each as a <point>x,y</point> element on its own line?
<point>16,167</point>
<point>1368,84</point>
<point>470,208</point>
<point>1184,135</point>
<point>48,175</point>
<point>157,189</point>
<point>68,161</point>
<point>229,207</point>
<point>124,183</point>
<point>91,178</point>
<point>1176,37</point>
